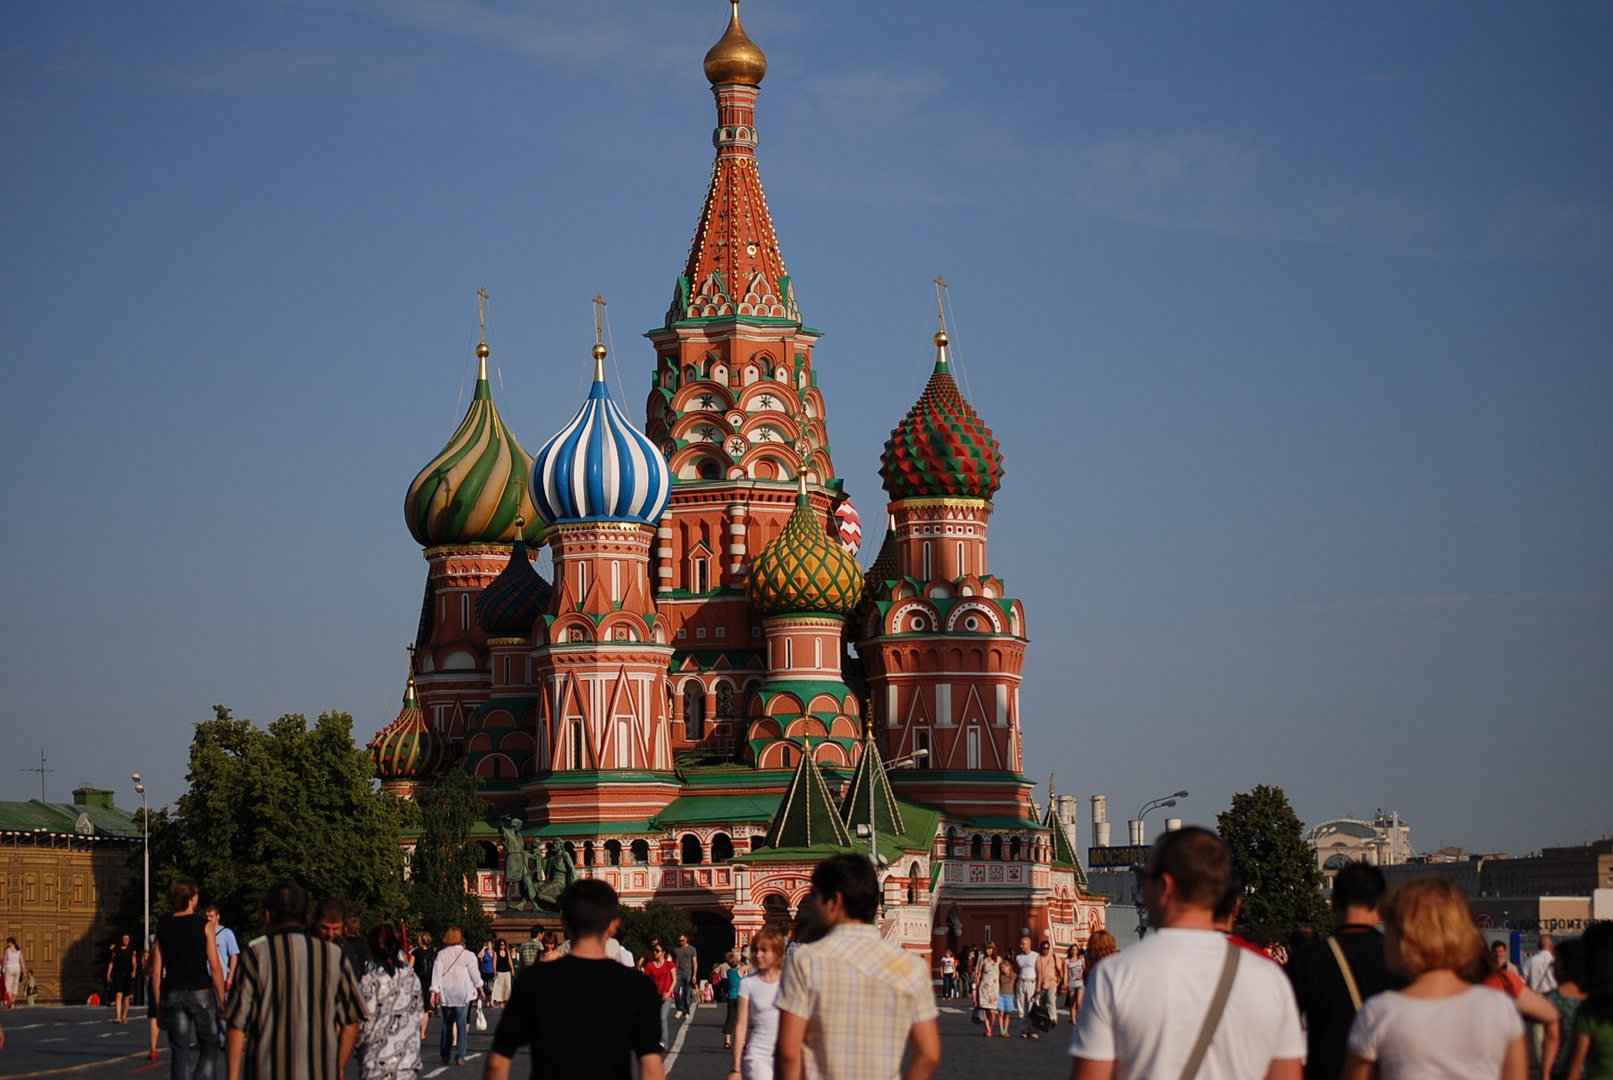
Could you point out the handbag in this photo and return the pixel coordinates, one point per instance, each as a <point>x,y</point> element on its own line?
<point>481,1018</point>
<point>1041,1020</point>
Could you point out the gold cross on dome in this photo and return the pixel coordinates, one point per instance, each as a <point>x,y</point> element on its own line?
<point>481,292</point>
<point>940,306</point>
<point>599,309</point>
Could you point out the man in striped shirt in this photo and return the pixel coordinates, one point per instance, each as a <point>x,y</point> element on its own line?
<point>294,1011</point>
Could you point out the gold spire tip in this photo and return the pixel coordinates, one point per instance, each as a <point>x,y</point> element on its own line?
<point>482,351</point>
<point>599,337</point>
<point>735,58</point>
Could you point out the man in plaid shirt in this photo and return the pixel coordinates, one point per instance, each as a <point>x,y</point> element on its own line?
<point>852,1001</point>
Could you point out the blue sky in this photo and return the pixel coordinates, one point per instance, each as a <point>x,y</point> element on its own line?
<point>1294,323</point>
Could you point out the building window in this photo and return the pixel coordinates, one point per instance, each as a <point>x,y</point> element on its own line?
<point>997,848</point>
<point>576,746</point>
<point>624,744</point>
<point>497,768</point>
<point>722,848</point>
<point>963,567</point>
<point>506,671</point>
<point>789,758</point>
<point>972,749</point>
<point>588,853</point>
<point>613,852</point>
<point>689,850</point>
<point>817,652</point>
<point>641,851</point>
<point>582,580</point>
<point>789,654</point>
<point>922,742</point>
<point>976,846</point>
<point>725,702</point>
<point>927,560</point>
<point>616,582</point>
<point>464,611</point>
<point>694,710</point>
<point>700,579</point>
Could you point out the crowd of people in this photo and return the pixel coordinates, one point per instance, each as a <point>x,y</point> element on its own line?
<point>1422,997</point>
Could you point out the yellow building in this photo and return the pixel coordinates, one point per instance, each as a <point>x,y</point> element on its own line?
<point>62,869</point>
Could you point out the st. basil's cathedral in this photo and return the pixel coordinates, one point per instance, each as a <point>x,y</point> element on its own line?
<point>711,695</point>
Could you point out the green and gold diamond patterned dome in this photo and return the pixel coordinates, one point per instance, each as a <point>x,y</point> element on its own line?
<point>803,571</point>
<point>407,749</point>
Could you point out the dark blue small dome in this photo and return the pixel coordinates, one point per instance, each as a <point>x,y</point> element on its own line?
<point>512,602</point>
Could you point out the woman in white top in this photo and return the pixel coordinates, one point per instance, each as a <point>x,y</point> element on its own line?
<point>756,1029</point>
<point>14,968</point>
<point>1441,1026</point>
<point>456,981</point>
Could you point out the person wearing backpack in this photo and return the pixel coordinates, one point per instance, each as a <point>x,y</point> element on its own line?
<point>1185,1001</point>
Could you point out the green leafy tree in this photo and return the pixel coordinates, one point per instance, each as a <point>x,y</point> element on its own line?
<point>287,802</point>
<point>657,919</point>
<point>1282,885</point>
<point>444,854</point>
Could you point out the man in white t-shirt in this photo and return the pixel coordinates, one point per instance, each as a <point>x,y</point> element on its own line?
<point>1146,1005</point>
<point>1025,987</point>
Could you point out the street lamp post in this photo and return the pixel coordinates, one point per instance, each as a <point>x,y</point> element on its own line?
<point>1140,836</point>
<point>145,820</point>
<point>900,763</point>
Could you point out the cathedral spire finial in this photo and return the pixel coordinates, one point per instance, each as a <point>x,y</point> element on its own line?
<point>482,351</point>
<point>599,337</point>
<point>735,58</point>
<point>941,323</point>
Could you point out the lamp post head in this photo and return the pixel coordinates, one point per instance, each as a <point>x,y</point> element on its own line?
<point>1168,802</point>
<point>140,789</point>
<point>1180,795</point>
<point>135,778</point>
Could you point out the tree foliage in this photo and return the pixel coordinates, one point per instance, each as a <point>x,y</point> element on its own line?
<point>657,919</point>
<point>287,802</point>
<point>1282,885</point>
<point>444,854</point>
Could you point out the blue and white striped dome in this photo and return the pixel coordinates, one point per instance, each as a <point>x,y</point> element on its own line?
<point>600,467</point>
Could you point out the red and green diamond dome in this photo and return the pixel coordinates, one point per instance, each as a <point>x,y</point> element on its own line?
<point>941,449</point>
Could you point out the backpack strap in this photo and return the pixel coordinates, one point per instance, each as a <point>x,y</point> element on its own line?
<point>1212,1019</point>
<point>1344,969</point>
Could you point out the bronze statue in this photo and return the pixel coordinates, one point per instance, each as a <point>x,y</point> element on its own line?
<point>521,885</point>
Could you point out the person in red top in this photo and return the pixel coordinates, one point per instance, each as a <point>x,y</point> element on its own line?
<point>664,970</point>
<point>1495,971</point>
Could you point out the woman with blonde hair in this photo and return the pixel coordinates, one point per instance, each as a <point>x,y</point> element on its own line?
<point>756,1026</point>
<point>1440,1025</point>
<point>455,983</point>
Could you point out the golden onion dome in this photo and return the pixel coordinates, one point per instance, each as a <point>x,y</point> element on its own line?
<point>803,571</point>
<point>735,58</point>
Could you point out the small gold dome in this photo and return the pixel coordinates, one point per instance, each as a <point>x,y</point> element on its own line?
<point>940,339</point>
<point>483,352</point>
<point>735,59</point>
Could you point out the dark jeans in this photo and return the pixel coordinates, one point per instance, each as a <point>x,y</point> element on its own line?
<point>681,995</point>
<point>191,1013</point>
<point>454,1016</point>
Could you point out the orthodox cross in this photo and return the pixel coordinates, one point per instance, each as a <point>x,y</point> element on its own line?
<point>410,650</point>
<point>481,292</point>
<point>599,311</point>
<point>41,770</point>
<point>940,307</point>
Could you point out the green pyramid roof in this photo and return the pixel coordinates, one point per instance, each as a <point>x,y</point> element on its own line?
<point>854,811</point>
<point>1063,853</point>
<point>807,816</point>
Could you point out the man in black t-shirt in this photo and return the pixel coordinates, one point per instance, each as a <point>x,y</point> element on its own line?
<point>187,982</point>
<point>1318,977</point>
<point>584,1015</point>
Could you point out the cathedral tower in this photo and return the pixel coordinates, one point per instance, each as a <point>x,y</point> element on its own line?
<point>466,508</point>
<point>736,410</point>
<point>601,658</point>
<point>941,644</point>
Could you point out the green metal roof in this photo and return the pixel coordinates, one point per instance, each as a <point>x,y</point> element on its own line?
<point>717,809</point>
<point>870,785</point>
<point>62,818</point>
<point>1005,823</point>
<point>807,817</point>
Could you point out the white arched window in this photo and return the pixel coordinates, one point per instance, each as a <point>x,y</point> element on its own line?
<point>616,581</point>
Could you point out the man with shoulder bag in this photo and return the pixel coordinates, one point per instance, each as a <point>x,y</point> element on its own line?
<point>1186,1003</point>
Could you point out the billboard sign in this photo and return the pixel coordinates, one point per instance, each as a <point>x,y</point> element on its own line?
<point>1118,857</point>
